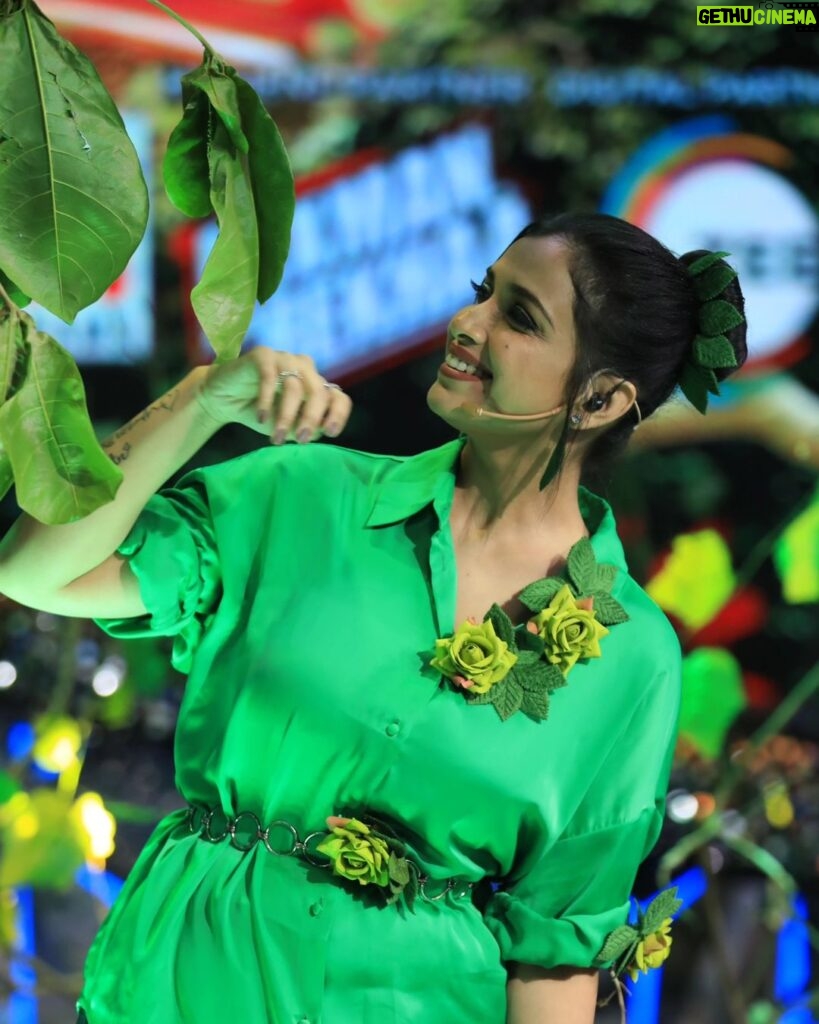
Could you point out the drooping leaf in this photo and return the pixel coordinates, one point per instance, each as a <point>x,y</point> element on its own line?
<point>215,80</point>
<point>17,295</point>
<point>273,189</point>
<point>60,471</point>
<point>185,167</point>
<point>694,387</point>
<point>223,299</point>
<point>73,201</point>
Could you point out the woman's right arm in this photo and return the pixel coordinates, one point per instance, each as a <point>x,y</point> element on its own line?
<point>73,569</point>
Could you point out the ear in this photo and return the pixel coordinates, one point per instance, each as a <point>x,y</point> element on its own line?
<point>620,397</point>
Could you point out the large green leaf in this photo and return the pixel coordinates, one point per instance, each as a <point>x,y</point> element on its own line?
<point>223,299</point>
<point>73,201</point>
<point>60,471</point>
<point>273,189</point>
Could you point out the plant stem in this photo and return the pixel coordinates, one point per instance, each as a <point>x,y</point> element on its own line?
<point>716,926</point>
<point>185,24</point>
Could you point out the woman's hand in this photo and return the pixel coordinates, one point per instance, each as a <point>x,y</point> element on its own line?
<point>247,390</point>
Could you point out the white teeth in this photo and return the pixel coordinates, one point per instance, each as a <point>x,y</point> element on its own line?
<point>459,364</point>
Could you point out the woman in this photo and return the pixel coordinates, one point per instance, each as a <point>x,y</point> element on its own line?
<point>329,608</point>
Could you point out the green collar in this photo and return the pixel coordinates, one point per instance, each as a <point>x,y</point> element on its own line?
<point>412,482</point>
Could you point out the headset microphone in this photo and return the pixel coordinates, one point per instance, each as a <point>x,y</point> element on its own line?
<point>477,410</point>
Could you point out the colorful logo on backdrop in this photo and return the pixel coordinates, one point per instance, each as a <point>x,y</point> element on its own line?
<point>382,251</point>
<point>704,184</point>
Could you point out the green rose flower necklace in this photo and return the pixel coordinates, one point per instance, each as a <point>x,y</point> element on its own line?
<point>515,668</point>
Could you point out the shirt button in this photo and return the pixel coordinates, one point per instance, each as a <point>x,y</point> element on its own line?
<point>393,727</point>
<point>315,910</point>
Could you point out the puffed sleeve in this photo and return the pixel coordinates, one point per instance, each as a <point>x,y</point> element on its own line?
<point>172,551</point>
<point>569,893</point>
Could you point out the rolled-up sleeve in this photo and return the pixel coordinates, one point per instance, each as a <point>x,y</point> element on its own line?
<point>172,551</point>
<point>573,891</point>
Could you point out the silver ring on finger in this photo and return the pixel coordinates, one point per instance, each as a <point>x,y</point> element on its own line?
<point>337,387</point>
<point>289,373</point>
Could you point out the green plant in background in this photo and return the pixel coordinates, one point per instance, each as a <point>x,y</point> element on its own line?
<point>74,206</point>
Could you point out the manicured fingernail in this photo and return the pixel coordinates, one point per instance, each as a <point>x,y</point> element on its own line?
<point>304,435</point>
<point>279,436</point>
<point>331,429</point>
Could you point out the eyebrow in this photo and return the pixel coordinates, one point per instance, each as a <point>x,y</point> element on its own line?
<point>524,293</point>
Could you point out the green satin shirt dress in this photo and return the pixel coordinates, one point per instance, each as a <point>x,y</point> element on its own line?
<point>304,588</point>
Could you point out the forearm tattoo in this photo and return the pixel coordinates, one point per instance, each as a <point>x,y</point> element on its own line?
<point>167,403</point>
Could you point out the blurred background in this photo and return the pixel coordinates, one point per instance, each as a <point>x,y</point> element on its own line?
<point>423,137</point>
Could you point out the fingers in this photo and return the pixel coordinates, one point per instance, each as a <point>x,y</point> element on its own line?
<point>301,405</point>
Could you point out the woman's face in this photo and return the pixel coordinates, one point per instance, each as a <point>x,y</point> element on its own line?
<point>520,329</point>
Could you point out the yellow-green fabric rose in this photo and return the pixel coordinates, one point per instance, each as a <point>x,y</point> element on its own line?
<point>474,657</point>
<point>356,853</point>
<point>652,951</point>
<point>569,629</point>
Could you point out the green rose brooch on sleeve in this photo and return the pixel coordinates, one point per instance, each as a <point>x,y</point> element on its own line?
<point>515,668</point>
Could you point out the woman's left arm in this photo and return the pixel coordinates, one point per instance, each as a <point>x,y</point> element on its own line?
<point>558,995</point>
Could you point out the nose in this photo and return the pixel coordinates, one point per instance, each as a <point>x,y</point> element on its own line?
<point>466,326</point>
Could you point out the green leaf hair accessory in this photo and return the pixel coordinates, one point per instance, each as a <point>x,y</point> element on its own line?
<point>643,945</point>
<point>710,349</point>
<point>516,668</point>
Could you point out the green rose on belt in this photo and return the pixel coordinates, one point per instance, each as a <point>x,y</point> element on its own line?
<point>356,853</point>
<point>569,629</point>
<point>474,657</point>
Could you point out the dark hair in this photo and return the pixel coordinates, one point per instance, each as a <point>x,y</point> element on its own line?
<point>635,313</point>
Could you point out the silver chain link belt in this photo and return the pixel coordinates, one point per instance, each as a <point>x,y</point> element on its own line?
<point>245,838</point>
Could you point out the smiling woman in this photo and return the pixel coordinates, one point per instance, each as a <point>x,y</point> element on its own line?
<point>446,673</point>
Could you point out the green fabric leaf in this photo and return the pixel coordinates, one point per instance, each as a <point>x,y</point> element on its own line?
<point>618,942</point>
<point>552,678</point>
<point>694,387</point>
<point>507,696</point>
<point>536,704</point>
<point>17,296</point>
<point>502,624</point>
<point>528,676</point>
<point>704,262</point>
<point>529,643</point>
<point>714,351</point>
<point>607,609</point>
<point>718,316</point>
<point>604,580</point>
<point>6,473</point>
<point>73,201</point>
<point>482,698</point>
<point>664,904</point>
<point>398,869</point>
<point>710,379</point>
<point>539,594</point>
<point>185,167</point>
<point>527,658</point>
<point>273,188</point>
<point>713,281</point>
<point>581,565</point>
<point>60,471</point>
<point>224,298</point>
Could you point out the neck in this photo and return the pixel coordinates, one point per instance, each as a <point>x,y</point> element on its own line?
<point>497,495</point>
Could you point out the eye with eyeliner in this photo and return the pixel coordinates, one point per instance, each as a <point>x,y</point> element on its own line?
<point>516,315</point>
